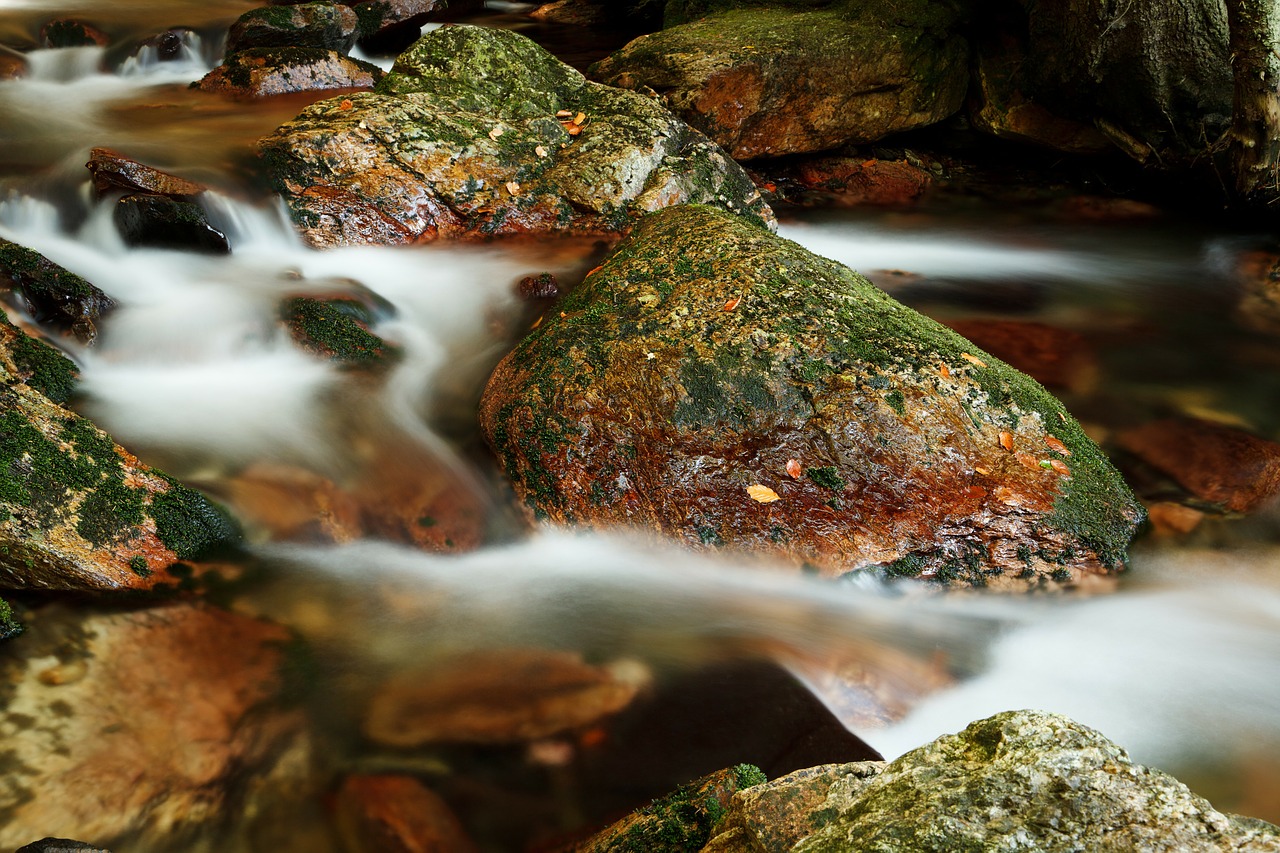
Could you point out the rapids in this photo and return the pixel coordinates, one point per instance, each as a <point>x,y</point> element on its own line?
<point>194,375</point>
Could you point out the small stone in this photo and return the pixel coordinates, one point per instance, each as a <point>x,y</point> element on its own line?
<point>541,286</point>
<point>396,814</point>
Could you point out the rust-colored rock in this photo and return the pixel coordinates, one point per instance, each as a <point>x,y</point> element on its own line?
<point>261,72</point>
<point>643,403</point>
<point>769,82</point>
<point>140,723</point>
<point>503,696</point>
<point>396,814</point>
<point>462,141</point>
<point>1053,356</point>
<point>114,172</point>
<point>12,66</point>
<point>865,181</point>
<point>1215,463</point>
<point>1173,519</point>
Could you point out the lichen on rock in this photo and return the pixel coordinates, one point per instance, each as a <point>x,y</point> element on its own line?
<point>706,356</point>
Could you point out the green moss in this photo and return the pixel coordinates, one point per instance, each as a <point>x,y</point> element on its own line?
<point>336,329</point>
<point>909,566</point>
<point>9,627</point>
<point>138,565</point>
<point>896,402</point>
<point>40,279</point>
<point>48,370</point>
<point>189,524</point>
<point>748,775</point>
<point>680,822</point>
<point>826,476</point>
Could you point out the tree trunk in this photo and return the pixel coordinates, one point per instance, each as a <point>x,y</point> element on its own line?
<point>1255,134</point>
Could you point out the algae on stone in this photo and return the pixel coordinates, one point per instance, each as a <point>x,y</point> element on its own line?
<point>53,294</point>
<point>706,354</point>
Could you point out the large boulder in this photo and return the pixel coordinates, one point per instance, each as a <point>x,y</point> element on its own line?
<point>463,140</point>
<point>76,510</point>
<point>1023,780</point>
<point>147,724</point>
<point>729,388</point>
<point>773,81</point>
<point>328,26</point>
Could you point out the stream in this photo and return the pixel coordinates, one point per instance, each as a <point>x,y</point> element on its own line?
<point>194,375</point>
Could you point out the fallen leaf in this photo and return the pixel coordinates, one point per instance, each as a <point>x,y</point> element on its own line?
<point>536,324</point>
<point>1056,445</point>
<point>496,132</point>
<point>573,129</point>
<point>580,118</point>
<point>945,371</point>
<point>1060,467</point>
<point>762,494</point>
<point>793,468</point>
<point>564,113</point>
<point>986,472</point>
<point>540,151</point>
<point>973,359</point>
<point>513,188</point>
<point>345,105</point>
<point>1028,461</point>
<point>1006,440</point>
<point>732,303</point>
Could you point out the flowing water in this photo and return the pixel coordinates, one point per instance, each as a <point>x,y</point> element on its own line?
<point>194,374</point>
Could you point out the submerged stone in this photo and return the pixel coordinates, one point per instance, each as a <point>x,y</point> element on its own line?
<point>478,132</point>
<point>337,329</point>
<point>328,26</point>
<point>52,294</point>
<point>774,81</point>
<point>730,389</point>
<point>389,814</point>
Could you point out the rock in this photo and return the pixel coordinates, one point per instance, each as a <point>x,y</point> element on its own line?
<point>159,222</point>
<point>60,845</point>
<point>389,26</point>
<point>1173,519</point>
<point>1054,357</point>
<point>142,723</point>
<point>775,815</point>
<point>325,26</point>
<point>865,181</point>
<point>770,82</point>
<point>12,66</point>
<point>66,32</point>
<point>396,814</point>
<point>52,294</point>
<point>166,46</point>
<point>1259,306</point>
<point>541,286</point>
<point>1174,59</point>
<point>79,512</point>
<point>1001,107</point>
<point>1216,463</point>
<point>336,328</point>
<point>730,389</point>
<point>461,140</point>
<point>261,72</point>
<point>1026,780</point>
<point>507,696</point>
<point>113,172</point>
<point>681,821</point>
<point>578,13</point>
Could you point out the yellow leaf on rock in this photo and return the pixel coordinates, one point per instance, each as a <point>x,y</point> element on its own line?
<point>762,494</point>
<point>973,359</point>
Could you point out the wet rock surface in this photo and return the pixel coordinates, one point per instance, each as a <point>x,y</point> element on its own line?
<point>1025,780</point>
<point>478,133</point>
<point>326,26</point>
<point>396,814</point>
<point>68,32</point>
<point>730,389</point>
<point>770,81</point>
<point>160,222</point>
<point>60,845</point>
<point>389,26</point>
<point>174,698</point>
<point>260,72</point>
<point>1216,463</point>
<point>114,172</point>
<point>12,66</point>
<point>51,293</point>
<point>78,511</point>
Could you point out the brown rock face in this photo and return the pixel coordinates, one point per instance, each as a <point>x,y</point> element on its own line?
<point>728,388</point>
<point>507,696</point>
<point>260,72</point>
<point>135,723</point>
<point>1214,462</point>
<point>12,67</point>
<point>865,181</point>
<point>114,172</point>
<point>769,82</point>
<point>396,814</point>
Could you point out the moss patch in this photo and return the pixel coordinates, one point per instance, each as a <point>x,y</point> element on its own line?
<point>189,524</point>
<point>9,627</point>
<point>336,329</point>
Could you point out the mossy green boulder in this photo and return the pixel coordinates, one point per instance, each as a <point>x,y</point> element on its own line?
<point>52,294</point>
<point>771,81</point>
<point>328,26</point>
<point>76,510</point>
<point>477,133</point>
<point>729,388</point>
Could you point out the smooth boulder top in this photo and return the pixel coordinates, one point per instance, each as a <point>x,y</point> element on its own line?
<point>479,132</point>
<point>729,388</point>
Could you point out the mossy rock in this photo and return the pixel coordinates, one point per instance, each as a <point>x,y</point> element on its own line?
<point>9,627</point>
<point>52,294</point>
<point>337,329</point>
<point>161,222</point>
<point>263,71</point>
<point>76,510</point>
<point>327,26</point>
<point>1027,780</point>
<point>461,140</point>
<point>729,388</point>
<point>775,81</point>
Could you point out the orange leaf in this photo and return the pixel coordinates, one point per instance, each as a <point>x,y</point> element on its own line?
<point>564,113</point>
<point>793,468</point>
<point>732,303</point>
<point>1056,445</point>
<point>1006,441</point>
<point>762,494</point>
<point>579,118</point>
<point>573,129</point>
<point>345,104</point>
<point>973,359</point>
<point>1060,467</point>
<point>1028,461</point>
<point>945,371</point>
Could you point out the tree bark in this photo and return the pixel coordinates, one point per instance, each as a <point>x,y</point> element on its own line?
<point>1254,149</point>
